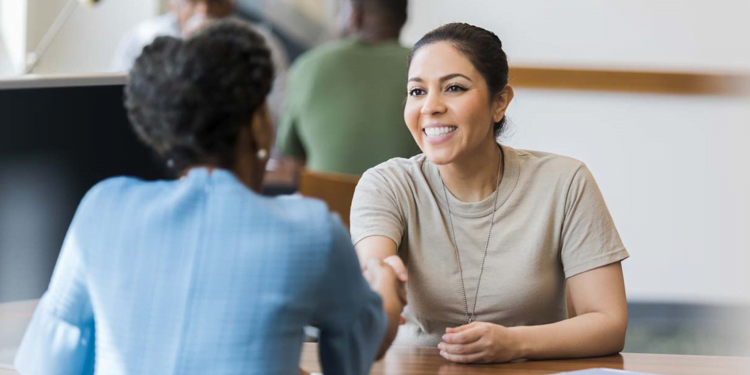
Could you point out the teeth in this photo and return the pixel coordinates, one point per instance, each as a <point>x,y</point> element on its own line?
<point>436,132</point>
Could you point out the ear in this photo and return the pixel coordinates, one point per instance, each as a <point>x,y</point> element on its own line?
<point>501,102</point>
<point>261,129</point>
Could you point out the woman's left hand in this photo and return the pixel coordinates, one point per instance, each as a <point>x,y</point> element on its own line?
<point>479,342</point>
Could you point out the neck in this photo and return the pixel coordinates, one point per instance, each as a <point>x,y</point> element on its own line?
<point>377,35</point>
<point>250,172</point>
<point>474,177</point>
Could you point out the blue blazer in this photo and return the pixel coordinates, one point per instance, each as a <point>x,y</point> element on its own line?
<point>201,276</point>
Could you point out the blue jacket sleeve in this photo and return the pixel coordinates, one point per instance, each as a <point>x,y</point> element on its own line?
<point>60,337</point>
<point>353,322</point>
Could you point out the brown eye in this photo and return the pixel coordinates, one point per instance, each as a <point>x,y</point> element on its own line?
<point>416,92</point>
<point>455,88</point>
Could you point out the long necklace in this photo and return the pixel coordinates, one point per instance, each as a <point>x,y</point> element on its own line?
<point>470,318</point>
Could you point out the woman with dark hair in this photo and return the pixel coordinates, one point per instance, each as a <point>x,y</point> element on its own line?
<point>509,253</point>
<point>203,275</point>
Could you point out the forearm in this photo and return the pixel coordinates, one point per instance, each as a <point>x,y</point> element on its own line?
<point>587,335</point>
<point>377,247</point>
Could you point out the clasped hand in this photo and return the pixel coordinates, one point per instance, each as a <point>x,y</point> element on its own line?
<point>479,342</point>
<point>377,273</point>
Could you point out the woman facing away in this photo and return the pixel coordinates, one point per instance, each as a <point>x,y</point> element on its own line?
<point>203,275</point>
<point>510,253</point>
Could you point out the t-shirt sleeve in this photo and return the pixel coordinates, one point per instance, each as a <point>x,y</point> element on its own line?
<point>375,209</point>
<point>589,237</point>
<point>60,336</point>
<point>351,316</point>
<point>288,140</point>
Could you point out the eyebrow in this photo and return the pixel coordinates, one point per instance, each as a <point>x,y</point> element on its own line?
<point>443,78</point>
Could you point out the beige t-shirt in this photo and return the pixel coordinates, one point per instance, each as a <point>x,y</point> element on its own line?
<point>551,223</point>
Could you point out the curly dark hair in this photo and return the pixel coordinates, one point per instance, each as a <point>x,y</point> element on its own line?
<point>482,47</point>
<point>188,99</point>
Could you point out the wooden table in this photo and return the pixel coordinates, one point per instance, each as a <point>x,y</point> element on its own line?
<point>14,317</point>
<point>403,360</point>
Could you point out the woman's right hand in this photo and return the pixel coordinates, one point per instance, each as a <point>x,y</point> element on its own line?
<point>382,275</point>
<point>396,264</point>
<point>383,280</point>
<point>375,248</point>
<point>398,267</point>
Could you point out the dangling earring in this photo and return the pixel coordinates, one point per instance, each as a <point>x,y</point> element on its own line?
<point>262,154</point>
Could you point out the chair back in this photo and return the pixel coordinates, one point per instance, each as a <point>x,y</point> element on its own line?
<point>337,190</point>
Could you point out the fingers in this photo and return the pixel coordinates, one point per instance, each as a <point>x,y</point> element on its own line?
<point>382,278</point>
<point>461,328</point>
<point>373,264</point>
<point>478,346</point>
<point>467,335</point>
<point>463,358</point>
<point>402,294</point>
<point>398,266</point>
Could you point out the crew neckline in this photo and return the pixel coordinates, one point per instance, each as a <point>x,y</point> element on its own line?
<point>485,206</point>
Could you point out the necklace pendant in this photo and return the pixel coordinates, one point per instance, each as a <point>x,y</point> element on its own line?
<point>471,320</point>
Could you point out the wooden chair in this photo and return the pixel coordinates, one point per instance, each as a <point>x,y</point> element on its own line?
<point>337,190</point>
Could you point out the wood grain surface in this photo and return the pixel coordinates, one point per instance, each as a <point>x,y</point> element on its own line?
<point>403,360</point>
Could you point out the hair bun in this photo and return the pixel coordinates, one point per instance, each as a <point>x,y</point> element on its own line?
<point>188,99</point>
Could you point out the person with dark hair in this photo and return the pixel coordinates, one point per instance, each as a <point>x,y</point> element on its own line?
<point>186,17</point>
<point>203,275</point>
<point>344,103</point>
<point>509,253</point>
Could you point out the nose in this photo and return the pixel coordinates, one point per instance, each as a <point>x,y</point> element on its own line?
<point>433,104</point>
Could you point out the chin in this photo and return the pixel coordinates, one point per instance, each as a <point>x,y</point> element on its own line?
<point>439,157</point>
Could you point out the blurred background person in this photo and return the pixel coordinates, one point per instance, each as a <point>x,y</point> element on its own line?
<point>202,274</point>
<point>184,18</point>
<point>344,108</point>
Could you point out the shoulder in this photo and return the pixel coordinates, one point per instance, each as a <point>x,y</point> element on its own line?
<point>111,188</point>
<point>107,198</point>
<point>397,171</point>
<point>309,225</point>
<point>301,214</point>
<point>539,163</point>
<point>402,51</point>
<point>329,51</point>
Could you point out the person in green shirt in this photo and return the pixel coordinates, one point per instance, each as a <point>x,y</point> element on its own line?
<point>345,99</point>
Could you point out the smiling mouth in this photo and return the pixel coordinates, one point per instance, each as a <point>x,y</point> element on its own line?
<point>436,132</point>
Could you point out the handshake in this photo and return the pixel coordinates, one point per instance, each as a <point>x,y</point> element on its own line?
<point>388,278</point>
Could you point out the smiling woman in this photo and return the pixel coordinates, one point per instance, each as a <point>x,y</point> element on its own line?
<point>508,253</point>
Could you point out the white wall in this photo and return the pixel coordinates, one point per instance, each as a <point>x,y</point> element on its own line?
<point>12,37</point>
<point>88,40</point>
<point>691,35</point>
<point>675,172</point>
<point>674,169</point>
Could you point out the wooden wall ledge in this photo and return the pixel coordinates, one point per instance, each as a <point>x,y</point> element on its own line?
<point>631,81</point>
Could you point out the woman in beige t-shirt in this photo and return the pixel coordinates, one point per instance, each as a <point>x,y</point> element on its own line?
<point>509,253</point>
